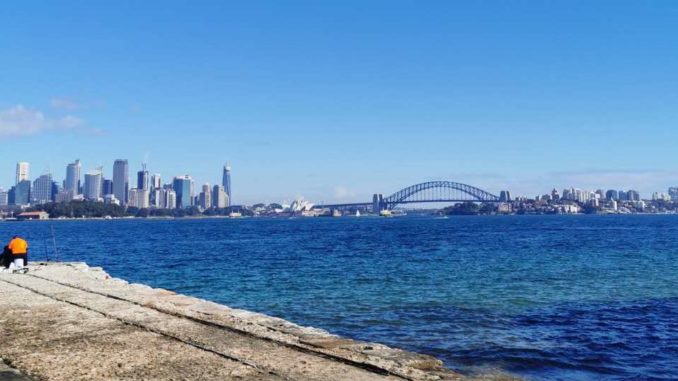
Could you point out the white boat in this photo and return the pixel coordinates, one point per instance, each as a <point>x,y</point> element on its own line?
<point>357,213</point>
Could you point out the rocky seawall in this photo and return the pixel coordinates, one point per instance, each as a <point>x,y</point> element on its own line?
<point>69,321</point>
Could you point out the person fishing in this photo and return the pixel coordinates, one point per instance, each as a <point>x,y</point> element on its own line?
<point>16,249</point>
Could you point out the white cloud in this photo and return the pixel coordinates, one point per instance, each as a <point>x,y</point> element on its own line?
<point>24,121</point>
<point>342,192</point>
<point>64,104</point>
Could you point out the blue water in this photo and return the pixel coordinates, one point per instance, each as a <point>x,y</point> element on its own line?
<point>545,297</point>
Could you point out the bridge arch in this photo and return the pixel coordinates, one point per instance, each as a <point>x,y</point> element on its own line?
<point>438,191</point>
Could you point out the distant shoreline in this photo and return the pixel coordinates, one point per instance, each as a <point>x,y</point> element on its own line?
<point>220,217</point>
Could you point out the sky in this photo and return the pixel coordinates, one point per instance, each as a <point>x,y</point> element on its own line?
<point>335,101</point>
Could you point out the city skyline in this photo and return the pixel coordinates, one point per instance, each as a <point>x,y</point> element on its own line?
<point>149,191</point>
<point>347,100</point>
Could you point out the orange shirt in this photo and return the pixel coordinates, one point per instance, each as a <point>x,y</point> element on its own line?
<point>18,246</point>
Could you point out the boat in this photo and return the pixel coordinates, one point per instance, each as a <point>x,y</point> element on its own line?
<point>385,213</point>
<point>357,213</point>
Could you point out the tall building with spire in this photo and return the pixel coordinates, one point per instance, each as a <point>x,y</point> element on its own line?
<point>226,182</point>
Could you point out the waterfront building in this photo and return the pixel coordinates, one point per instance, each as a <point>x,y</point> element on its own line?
<point>106,187</point>
<point>42,192</point>
<point>219,197</point>
<point>206,197</point>
<point>121,180</point>
<point>182,186</point>
<point>623,196</point>
<point>22,172</point>
<point>72,182</point>
<point>93,186</point>
<point>226,182</point>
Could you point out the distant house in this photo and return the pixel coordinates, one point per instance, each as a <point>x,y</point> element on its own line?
<point>33,216</point>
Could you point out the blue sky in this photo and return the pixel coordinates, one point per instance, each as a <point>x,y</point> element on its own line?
<point>336,101</point>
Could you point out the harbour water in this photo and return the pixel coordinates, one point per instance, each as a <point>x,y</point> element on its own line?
<point>544,297</point>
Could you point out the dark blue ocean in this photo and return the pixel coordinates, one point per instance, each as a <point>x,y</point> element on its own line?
<point>544,297</point>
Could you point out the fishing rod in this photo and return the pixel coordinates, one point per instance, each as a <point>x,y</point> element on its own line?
<point>56,252</point>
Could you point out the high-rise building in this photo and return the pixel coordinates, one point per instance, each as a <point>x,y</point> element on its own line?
<point>219,198</point>
<point>206,197</point>
<point>72,182</point>
<point>182,186</point>
<point>143,180</point>
<point>138,198</point>
<point>22,171</point>
<point>93,186</point>
<point>673,193</point>
<point>121,180</point>
<point>22,193</point>
<point>226,182</point>
<point>622,195</point>
<point>611,195</point>
<point>4,197</point>
<point>42,192</point>
<point>555,196</point>
<point>170,199</point>
<point>156,181</point>
<point>633,195</point>
<point>106,187</point>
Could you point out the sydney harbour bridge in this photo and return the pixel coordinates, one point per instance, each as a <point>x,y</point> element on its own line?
<point>428,192</point>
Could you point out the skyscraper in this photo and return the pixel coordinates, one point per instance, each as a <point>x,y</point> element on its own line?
<point>93,184</point>
<point>226,182</point>
<point>22,193</point>
<point>206,197</point>
<point>673,193</point>
<point>42,192</point>
<point>72,183</point>
<point>156,181</point>
<point>143,180</point>
<point>182,187</point>
<point>106,187</point>
<point>121,180</point>
<point>22,169</point>
<point>219,198</point>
